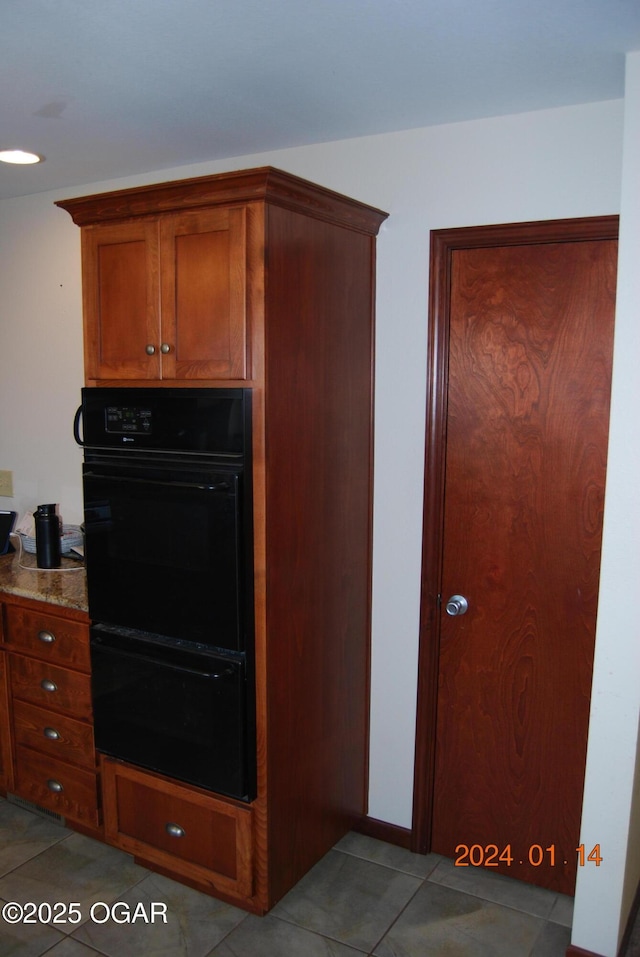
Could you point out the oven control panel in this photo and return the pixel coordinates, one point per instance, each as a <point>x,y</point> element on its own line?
<point>125,420</point>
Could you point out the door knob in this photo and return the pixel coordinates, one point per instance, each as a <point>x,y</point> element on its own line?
<point>457,605</point>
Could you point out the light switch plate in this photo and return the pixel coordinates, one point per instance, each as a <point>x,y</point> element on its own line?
<point>6,483</point>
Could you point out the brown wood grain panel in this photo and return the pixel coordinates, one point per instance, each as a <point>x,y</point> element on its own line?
<point>121,300</point>
<point>215,846</point>
<point>204,294</point>
<point>54,602</point>
<point>527,421</point>
<point>29,631</point>
<point>319,342</point>
<point>6,749</point>
<point>71,691</point>
<point>67,739</point>
<point>264,184</point>
<point>36,776</point>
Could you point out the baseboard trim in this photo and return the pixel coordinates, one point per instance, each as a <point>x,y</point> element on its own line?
<point>391,833</point>
<point>631,920</point>
<point>579,952</point>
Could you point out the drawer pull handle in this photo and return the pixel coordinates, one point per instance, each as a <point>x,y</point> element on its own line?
<point>174,830</point>
<point>47,637</point>
<point>48,685</point>
<point>55,786</point>
<point>51,734</point>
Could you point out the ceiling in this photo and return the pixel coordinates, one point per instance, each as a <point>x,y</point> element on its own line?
<point>110,88</point>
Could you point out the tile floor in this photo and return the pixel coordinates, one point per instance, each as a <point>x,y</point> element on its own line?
<point>364,897</point>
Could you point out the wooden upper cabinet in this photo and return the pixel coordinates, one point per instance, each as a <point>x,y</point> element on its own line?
<point>174,274</point>
<point>121,300</point>
<point>203,294</point>
<point>164,298</point>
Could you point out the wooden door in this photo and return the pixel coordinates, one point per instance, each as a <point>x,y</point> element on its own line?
<point>121,300</point>
<point>526,332</point>
<point>203,256</point>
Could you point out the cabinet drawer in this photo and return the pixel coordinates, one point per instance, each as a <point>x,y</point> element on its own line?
<point>45,636</point>
<point>61,787</point>
<point>6,763</point>
<point>183,830</point>
<point>57,735</point>
<point>58,689</point>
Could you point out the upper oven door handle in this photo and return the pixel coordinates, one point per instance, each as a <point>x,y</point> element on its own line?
<point>217,487</point>
<point>228,672</point>
<point>76,426</point>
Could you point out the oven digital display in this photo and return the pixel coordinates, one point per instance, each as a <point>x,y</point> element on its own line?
<point>128,420</point>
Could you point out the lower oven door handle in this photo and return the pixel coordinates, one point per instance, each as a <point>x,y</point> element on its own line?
<point>219,487</point>
<point>225,673</point>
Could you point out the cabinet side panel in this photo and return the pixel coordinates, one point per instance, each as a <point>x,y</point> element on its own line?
<point>319,345</point>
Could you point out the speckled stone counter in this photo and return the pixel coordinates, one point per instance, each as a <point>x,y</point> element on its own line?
<point>64,586</point>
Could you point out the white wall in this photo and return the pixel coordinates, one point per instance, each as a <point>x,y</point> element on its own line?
<point>549,164</point>
<point>40,355</point>
<point>611,810</point>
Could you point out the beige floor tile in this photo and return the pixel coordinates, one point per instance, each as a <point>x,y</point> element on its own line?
<point>348,899</point>
<point>441,921</point>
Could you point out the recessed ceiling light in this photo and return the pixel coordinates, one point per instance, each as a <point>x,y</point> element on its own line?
<point>21,157</point>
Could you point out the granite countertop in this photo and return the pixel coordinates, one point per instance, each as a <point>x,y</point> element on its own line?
<point>67,585</point>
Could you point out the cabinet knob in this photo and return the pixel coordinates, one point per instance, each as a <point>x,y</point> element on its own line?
<point>48,685</point>
<point>51,734</point>
<point>55,786</point>
<point>174,830</point>
<point>47,637</point>
<point>150,349</point>
<point>165,348</point>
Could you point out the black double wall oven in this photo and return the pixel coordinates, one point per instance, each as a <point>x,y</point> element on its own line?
<point>168,549</point>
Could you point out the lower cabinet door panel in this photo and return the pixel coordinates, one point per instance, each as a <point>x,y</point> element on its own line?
<point>67,790</point>
<point>183,830</point>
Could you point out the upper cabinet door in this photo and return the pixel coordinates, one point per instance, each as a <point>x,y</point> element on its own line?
<point>121,300</point>
<point>203,294</point>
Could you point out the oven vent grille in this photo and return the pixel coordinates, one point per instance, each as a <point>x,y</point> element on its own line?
<point>36,809</point>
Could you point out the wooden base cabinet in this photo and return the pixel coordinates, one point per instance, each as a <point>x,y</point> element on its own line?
<point>6,761</point>
<point>49,686</point>
<point>182,829</point>
<point>262,280</point>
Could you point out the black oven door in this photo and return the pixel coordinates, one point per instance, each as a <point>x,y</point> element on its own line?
<point>167,551</point>
<point>160,705</point>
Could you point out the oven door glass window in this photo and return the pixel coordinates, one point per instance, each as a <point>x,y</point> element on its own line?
<point>165,553</point>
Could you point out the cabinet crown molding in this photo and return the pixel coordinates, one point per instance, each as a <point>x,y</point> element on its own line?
<point>264,184</point>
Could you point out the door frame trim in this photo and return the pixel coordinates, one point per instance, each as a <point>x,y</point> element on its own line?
<point>442,245</point>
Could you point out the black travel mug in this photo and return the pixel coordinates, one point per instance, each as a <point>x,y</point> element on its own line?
<point>47,523</point>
